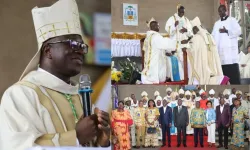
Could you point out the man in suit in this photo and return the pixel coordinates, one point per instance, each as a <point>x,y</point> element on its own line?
<point>181,120</point>
<point>223,120</point>
<point>165,121</point>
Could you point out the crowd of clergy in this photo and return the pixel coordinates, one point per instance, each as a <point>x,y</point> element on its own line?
<point>200,112</point>
<point>212,58</point>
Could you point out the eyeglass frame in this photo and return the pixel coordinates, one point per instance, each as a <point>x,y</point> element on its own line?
<point>85,49</point>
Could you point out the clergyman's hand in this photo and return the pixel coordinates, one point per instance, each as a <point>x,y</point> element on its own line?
<point>168,54</point>
<point>184,41</point>
<point>176,23</point>
<point>86,129</point>
<point>103,128</point>
<point>184,49</point>
<point>173,52</point>
<point>183,30</point>
<point>223,30</point>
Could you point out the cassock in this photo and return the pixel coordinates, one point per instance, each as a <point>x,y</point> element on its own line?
<point>227,44</point>
<point>204,58</point>
<point>155,47</point>
<point>245,71</point>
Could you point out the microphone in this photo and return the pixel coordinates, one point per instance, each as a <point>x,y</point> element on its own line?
<point>85,91</point>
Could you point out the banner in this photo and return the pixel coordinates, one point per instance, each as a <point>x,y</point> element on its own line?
<point>130,14</point>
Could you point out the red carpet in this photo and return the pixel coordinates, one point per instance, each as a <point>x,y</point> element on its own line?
<point>190,144</point>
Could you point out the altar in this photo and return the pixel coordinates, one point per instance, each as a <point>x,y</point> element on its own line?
<point>127,45</point>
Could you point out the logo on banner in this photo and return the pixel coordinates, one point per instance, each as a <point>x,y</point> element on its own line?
<point>130,13</point>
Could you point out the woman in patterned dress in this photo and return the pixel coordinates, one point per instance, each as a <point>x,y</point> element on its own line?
<point>239,115</point>
<point>121,121</point>
<point>152,115</point>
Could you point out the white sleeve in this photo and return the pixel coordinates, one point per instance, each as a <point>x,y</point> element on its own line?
<point>162,43</point>
<point>23,120</point>
<point>20,122</point>
<point>189,29</point>
<point>235,30</point>
<point>170,26</point>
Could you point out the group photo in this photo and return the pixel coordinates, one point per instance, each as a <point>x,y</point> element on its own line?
<point>180,43</point>
<point>178,117</point>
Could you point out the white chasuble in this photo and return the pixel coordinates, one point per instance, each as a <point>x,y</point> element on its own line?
<point>204,60</point>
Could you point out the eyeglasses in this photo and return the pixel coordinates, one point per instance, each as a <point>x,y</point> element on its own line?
<point>74,45</point>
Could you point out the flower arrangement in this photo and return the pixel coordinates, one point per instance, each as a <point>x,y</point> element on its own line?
<point>125,73</point>
<point>115,75</point>
<point>127,69</point>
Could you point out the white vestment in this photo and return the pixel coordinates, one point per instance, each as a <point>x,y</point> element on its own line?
<point>204,59</point>
<point>227,44</point>
<point>174,32</point>
<point>215,101</point>
<point>134,104</point>
<point>231,98</point>
<point>155,47</point>
<point>245,71</point>
<point>26,120</point>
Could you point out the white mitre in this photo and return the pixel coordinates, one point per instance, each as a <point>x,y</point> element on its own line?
<point>144,94</point>
<point>188,93</point>
<point>158,98</point>
<point>168,89</point>
<point>181,91</point>
<point>127,99</point>
<point>226,92</point>
<point>238,92</point>
<point>62,18</point>
<point>151,20</point>
<point>212,92</point>
<point>157,93</point>
<point>195,22</point>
